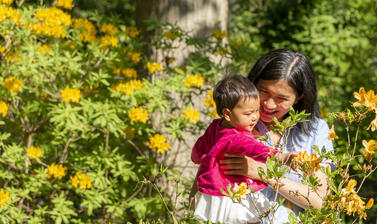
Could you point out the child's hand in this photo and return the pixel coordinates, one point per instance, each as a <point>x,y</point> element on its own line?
<point>287,158</point>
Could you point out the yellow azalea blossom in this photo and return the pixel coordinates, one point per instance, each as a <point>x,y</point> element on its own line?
<point>108,41</point>
<point>132,31</point>
<point>82,181</point>
<point>129,87</point>
<point>69,94</point>
<point>369,204</point>
<point>4,197</point>
<point>129,72</point>
<point>171,35</point>
<point>135,57</point>
<point>3,108</point>
<point>194,81</point>
<point>367,99</point>
<point>34,152</point>
<point>13,84</point>
<point>8,13</point>
<point>332,134</point>
<point>308,164</point>
<point>109,29</point>
<point>57,171</point>
<point>43,48</point>
<point>219,34</point>
<point>86,28</point>
<point>7,2</point>
<point>191,114</point>
<point>240,191</point>
<point>154,67</point>
<point>130,133</point>
<point>373,124</point>
<point>208,101</point>
<point>138,114</point>
<point>158,143</point>
<point>370,146</point>
<point>67,4</point>
<point>213,113</point>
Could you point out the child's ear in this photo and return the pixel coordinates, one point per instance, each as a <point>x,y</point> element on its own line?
<point>226,114</point>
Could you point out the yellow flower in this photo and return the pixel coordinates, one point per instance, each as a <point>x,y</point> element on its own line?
<point>171,35</point>
<point>69,94</point>
<point>240,191</point>
<point>13,84</point>
<point>129,72</point>
<point>154,67</point>
<point>108,41</point>
<point>213,113</point>
<point>4,197</point>
<point>373,124</point>
<point>135,57</point>
<point>86,28</point>
<point>158,143</point>
<point>370,146</point>
<point>369,99</point>
<point>34,152</point>
<point>57,171</point>
<point>81,180</point>
<point>369,204</point>
<point>109,29</point>
<point>138,114</point>
<point>7,2</point>
<point>129,87</point>
<point>307,164</point>
<point>9,13</point>
<point>3,108</point>
<point>194,81</point>
<point>43,48</point>
<point>208,101</point>
<point>132,31</point>
<point>191,114</point>
<point>332,134</point>
<point>67,4</point>
<point>219,34</point>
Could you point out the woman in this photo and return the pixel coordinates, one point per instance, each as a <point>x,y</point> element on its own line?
<point>285,78</point>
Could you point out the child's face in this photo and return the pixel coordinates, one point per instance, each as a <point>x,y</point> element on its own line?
<point>245,115</point>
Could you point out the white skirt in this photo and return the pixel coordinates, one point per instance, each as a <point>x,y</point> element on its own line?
<point>222,209</point>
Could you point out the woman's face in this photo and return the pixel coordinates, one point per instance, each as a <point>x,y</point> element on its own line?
<point>276,96</point>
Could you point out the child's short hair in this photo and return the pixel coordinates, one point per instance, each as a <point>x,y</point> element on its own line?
<point>230,90</point>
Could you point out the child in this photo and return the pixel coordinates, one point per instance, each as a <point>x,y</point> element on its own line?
<point>237,102</point>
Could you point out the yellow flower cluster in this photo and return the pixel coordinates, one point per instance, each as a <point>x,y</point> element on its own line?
<point>129,72</point>
<point>108,41</point>
<point>138,114</point>
<point>154,67</point>
<point>308,164</point>
<point>158,143</point>
<point>194,81</point>
<point>67,4</point>
<point>82,181</point>
<point>69,94</point>
<point>3,108</point>
<point>51,22</point>
<point>132,31</point>
<point>57,171</point>
<point>9,13</point>
<point>129,87</point>
<point>240,192</point>
<point>8,2</point>
<point>191,114</point>
<point>332,134</point>
<point>209,102</point>
<point>34,152</point>
<point>369,147</point>
<point>109,29</point>
<point>43,48</point>
<point>13,84</point>
<point>219,34</point>
<point>171,35</point>
<point>135,57</point>
<point>351,202</point>
<point>368,100</point>
<point>86,28</point>
<point>4,197</point>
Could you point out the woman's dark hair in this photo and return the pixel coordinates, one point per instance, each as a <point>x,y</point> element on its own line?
<point>296,69</point>
<point>230,90</point>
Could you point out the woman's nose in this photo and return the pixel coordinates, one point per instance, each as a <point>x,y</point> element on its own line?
<point>269,103</point>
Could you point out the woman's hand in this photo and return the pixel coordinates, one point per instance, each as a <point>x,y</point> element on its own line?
<point>241,165</point>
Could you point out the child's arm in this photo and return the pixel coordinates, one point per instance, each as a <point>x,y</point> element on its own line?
<point>194,189</point>
<point>198,150</point>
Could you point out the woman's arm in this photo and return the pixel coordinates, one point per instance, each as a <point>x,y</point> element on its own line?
<point>297,193</point>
